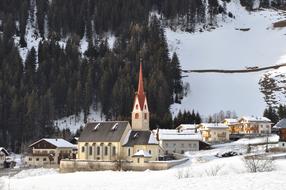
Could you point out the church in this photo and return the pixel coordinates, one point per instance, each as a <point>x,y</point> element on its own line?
<point>118,140</point>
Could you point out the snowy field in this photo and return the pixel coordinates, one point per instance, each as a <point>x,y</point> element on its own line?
<point>204,171</point>
<point>228,48</point>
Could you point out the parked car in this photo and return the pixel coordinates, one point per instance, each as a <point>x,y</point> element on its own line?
<point>226,154</point>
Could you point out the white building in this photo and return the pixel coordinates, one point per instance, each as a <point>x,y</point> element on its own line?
<point>187,127</point>
<point>174,141</point>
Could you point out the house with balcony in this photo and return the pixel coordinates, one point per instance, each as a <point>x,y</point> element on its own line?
<point>214,132</point>
<point>254,125</point>
<point>48,151</point>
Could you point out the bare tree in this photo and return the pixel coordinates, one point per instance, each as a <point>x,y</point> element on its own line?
<point>257,163</point>
<point>214,170</point>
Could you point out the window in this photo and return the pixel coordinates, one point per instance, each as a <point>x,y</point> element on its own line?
<point>182,145</point>
<point>37,159</point>
<point>128,151</point>
<point>30,159</point>
<point>190,145</point>
<point>137,106</point>
<point>114,151</point>
<point>145,115</point>
<point>98,150</point>
<point>82,149</point>
<point>182,152</point>
<point>106,151</point>
<point>145,107</point>
<point>166,144</point>
<point>90,150</point>
<point>136,115</point>
<point>44,159</point>
<point>150,152</point>
<point>138,160</point>
<point>174,145</point>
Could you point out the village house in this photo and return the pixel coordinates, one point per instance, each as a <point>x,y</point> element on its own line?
<point>187,127</point>
<point>255,125</point>
<point>174,141</point>
<point>233,124</point>
<point>280,127</point>
<point>214,132</point>
<point>49,151</point>
<point>118,140</point>
<point>3,155</point>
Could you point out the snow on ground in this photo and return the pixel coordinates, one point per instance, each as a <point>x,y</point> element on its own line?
<point>74,122</point>
<point>204,171</point>
<point>228,48</point>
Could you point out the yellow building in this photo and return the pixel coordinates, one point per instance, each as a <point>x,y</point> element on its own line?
<point>214,132</point>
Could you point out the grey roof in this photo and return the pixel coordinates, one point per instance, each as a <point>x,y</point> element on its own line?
<point>108,131</point>
<point>140,138</point>
<point>281,124</point>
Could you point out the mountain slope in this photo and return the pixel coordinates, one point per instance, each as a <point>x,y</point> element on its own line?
<point>229,48</point>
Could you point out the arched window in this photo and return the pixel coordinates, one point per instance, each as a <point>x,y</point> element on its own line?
<point>145,107</point>
<point>136,115</point>
<point>137,106</point>
<point>145,115</point>
<point>129,152</point>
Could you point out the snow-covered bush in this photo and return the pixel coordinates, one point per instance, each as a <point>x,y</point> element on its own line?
<point>213,170</point>
<point>257,163</point>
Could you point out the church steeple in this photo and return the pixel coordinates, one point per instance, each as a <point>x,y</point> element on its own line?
<point>140,91</point>
<point>140,113</point>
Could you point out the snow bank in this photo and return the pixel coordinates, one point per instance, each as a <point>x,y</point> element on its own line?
<point>34,172</point>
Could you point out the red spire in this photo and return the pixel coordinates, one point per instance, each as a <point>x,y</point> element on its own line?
<point>140,91</point>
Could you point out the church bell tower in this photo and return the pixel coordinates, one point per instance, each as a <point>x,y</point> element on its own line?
<point>140,113</point>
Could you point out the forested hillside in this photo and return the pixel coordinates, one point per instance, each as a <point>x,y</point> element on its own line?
<point>45,75</point>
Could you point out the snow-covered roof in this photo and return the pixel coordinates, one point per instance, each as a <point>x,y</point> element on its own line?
<point>59,143</point>
<point>4,151</point>
<point>142,153</point>
<point>173,134</point>
<point>255,119</point>
<point>152,139</point>
<point>187,126</point>
<point>180,137</point>
<point>281,124</point>
<point>231,120</point>
<point>215,125</point>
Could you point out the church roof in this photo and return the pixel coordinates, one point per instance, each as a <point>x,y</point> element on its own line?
<point>140,91</point>
<point>140,138</point>
<point>108,131</point>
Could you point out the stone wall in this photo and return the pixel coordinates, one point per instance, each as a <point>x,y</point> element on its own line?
<point>88,165</point>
